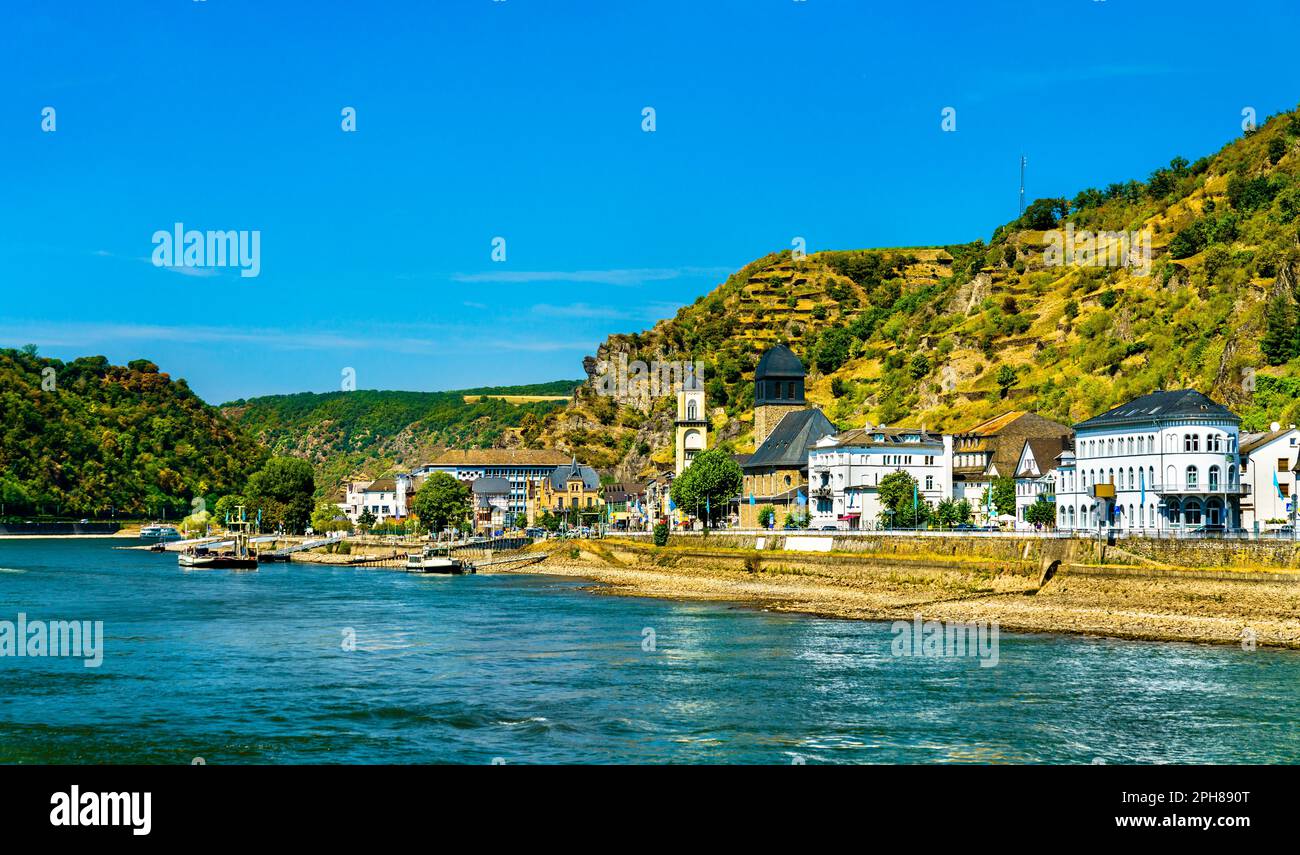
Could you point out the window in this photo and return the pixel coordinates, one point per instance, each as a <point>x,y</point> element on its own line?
<point>1213,442</point>
<point>929,482</point>
<point>1283,465</point>
<point>1214,478</point>
<point>692,413</point>
<point>790,391</point>
<point>1193,477</point>
<point>1192,512</point>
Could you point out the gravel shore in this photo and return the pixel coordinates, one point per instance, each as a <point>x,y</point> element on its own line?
<point>1077,600</point>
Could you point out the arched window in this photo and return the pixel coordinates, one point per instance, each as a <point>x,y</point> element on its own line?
<point>1174,512</point>
<point>1214,479</point>
<point>1193,477</point>
<point>1192,512</point>
<point>1232,477</point>
<point>1151,477</point>
<point>1130,517</point>
<point>1111,478</point>
<point>1214,512</point>
<point>1213,442</point>
<point>1171,479</point>
<point>1071,516</point>
<point>1152,515</point>
<point>692,413</point>
<point>1110,447</point>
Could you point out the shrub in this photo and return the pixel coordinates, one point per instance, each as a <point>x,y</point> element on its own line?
<point>661,534</point>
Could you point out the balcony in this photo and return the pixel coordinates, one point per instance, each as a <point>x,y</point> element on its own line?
<point>1198,488</point>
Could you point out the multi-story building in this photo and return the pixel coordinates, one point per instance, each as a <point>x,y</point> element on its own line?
<point>572,492</point>
<point>519,466</point>
<point>386,498</point>
<point>1037,474</point>
<point>1269,463</point>
<point>845,471</point>
<point>1166,461</point>
<point>491,503</point>
<point>992,449</point>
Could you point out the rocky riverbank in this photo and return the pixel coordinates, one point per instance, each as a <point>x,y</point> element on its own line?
<point>1122,602</point>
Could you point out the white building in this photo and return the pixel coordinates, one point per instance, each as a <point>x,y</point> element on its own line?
<point>1037,475</point>
<point>1268,475</point>
<point>385,498</point>
<point>845,470</point>
<point>519,466</point>
<point>1170,459</point>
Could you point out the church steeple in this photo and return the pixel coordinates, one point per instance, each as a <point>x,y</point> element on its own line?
<point>778,389</point>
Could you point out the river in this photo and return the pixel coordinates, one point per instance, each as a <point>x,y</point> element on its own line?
<point>299,663</point>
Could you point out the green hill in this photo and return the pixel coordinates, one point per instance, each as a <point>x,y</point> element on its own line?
<point>952,335</point>
<point>369,432</point>
<point>85,438</point>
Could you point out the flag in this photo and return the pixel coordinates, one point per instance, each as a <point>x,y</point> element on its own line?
<point>1142,480</point>
<point>672,506</point>
<point>1277,486</point>
<point>751,498</point>
<point>707,510</point>
<point>800,498</point>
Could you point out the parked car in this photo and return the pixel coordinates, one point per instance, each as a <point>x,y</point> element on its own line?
<point>830,528</point>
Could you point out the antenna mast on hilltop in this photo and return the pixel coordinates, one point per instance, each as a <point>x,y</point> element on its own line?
<point>1022,185</point>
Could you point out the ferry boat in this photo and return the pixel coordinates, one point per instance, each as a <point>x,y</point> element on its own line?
<point>236,553</point>
<point>159,531</point>
<point>435,559</point>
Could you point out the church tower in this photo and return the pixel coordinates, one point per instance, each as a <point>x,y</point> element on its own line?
<point>692,425</point>
<point>778,389</point>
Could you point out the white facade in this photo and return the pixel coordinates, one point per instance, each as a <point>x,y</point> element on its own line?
<point>385,498</point>
<point>1034,479</point>
<point>1172,458</point>
<point>1269,479</point>
<point>845,470</point>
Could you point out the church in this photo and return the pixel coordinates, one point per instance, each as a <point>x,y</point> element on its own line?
<point>785,428</point>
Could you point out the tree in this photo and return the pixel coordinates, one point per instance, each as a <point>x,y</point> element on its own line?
<point>441,501</point>
<point>952,512</point>
<point>766,516</point>
<point>833,349</point>
<point>1041,513</point>
<point>1006,379</point>
<point>1004,495</point>
<point>707,486</point>
<point>1281,341</point>
<point>899,493</point>
<point>1043,214</point>
<point>328,517</point>
<point>283,491</point>
<point>366,520</point>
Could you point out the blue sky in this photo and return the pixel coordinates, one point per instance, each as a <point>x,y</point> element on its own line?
<point>523,119</point>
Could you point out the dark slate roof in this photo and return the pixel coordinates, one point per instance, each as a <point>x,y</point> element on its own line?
<point>787,446</point>
<point>1179,404</point>
<point>741,459</point>
<point>779,361</point>
<point>560,477</point>
<point>486,486</point>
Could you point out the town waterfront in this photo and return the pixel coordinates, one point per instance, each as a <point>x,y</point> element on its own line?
<point>253,668</point>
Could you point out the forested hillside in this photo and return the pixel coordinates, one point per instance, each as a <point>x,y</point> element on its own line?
<point>86,438</point>
<point>367,432</point>
<point>948,336</point>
